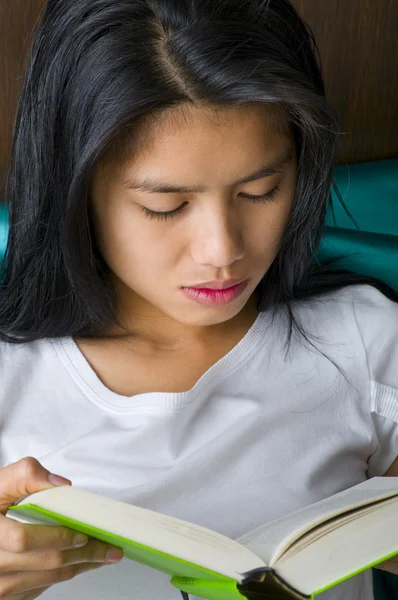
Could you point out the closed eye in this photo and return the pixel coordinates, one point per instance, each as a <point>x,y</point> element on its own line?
<point>264,197</point>
<point>164,216</point>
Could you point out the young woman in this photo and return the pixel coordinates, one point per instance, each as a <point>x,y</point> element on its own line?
<point>167,338</point>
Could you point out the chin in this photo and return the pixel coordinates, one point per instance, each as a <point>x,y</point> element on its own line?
<point>207,316</point>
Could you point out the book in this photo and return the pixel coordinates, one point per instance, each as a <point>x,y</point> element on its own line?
<point>296,556</point>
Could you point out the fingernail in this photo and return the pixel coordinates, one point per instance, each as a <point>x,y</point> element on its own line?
<point>80,540</point>
<point>58,480</point>
<point>114,554</point>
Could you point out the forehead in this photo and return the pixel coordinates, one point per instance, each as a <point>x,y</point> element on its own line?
<point>175,139</point>
<point>187,122</point>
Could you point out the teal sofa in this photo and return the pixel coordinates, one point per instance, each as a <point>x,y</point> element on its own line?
<point>3,229</point>
<point>370,192</point>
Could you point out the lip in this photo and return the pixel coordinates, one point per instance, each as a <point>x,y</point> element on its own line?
<point>217,285</point>
<point>215,296</point>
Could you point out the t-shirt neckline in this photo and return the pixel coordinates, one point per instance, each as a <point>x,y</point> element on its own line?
<point>92,386</point>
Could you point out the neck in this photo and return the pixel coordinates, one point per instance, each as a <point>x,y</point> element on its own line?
<point>148,325</point>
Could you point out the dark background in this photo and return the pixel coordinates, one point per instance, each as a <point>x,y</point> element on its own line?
<point>358,42</point>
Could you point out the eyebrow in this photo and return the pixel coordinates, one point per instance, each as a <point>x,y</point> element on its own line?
<point>153,185</point>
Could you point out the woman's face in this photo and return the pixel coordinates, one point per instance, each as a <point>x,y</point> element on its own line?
<point>216,233</point>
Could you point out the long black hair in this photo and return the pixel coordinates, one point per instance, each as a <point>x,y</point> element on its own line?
<point>99,67</point>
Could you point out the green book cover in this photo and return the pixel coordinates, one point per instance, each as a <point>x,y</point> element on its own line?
<point>185,576</point>
<point>313,549</point>
<point>192,578</point>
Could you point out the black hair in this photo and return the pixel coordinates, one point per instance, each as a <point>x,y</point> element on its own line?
<point>96,69</point>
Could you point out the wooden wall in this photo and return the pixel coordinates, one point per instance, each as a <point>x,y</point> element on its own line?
<point>358,41</point>
<point>17,17</point>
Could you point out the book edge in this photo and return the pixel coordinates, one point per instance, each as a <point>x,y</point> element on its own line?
<point>356,572</point>
<point>339,520</point>
<point>135,512</point>
<point>104,534</point>
<point>288,541</point>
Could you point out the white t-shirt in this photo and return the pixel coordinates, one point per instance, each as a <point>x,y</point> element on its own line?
<point>262,432</point>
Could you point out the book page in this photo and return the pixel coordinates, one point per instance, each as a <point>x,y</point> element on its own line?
<point>271,540</point>
<point>326,527</point>
<point>186,541</point>
<point>356,545</point>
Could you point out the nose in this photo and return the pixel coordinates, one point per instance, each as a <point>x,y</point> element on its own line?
<point>217,240</point>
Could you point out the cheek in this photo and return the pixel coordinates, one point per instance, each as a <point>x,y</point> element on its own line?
<point>130,243</point>
<point>281,211</point>
<point>266,228</point>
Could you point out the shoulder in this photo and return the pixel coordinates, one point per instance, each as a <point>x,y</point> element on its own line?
<point>16,351</point>
<point>363,316</point>
<point>354,303</point>
<point>362,294</point>
<point>17,360</point>
<point>357,317</point>
<point>366,296</point>
<point>375,314</point>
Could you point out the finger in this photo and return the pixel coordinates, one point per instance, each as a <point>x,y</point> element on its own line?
<point>33,595</point>
<point>26,595</point>
<point>22,478</point>
<point>94,551</point>
<point>21,537</point>
<point>23,582</point>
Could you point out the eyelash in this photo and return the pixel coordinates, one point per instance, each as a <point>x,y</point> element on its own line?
<point>164,216</point>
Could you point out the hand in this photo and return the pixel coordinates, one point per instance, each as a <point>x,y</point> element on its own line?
<point>35,557</point>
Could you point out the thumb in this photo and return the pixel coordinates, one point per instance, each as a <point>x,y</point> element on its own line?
<point>23,478</point>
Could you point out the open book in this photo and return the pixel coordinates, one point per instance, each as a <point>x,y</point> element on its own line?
<point>296,556</point>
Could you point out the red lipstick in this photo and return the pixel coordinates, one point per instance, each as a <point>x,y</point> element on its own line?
<point>215,296</point>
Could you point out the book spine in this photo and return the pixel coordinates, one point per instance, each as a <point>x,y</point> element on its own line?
<point>265,583</point>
